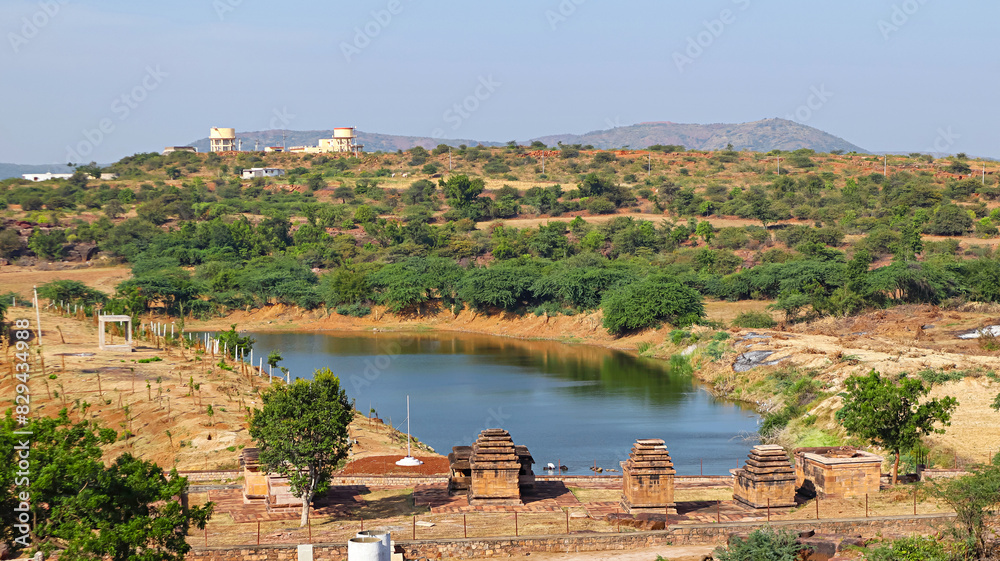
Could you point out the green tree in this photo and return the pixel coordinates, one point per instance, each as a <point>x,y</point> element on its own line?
<point>47,245</point>
<point>890,414</point>
<point>273,358</point>
<point>301,431</point>
<point>231,340</point>
<point>344,193</point>
<point>975,499</point>
<point>463,193</point>
<point>705,230</point>
<point>125,511</point>
<point>649,303</point>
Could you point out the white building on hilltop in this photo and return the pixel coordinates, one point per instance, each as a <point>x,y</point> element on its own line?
<point>251,173</point>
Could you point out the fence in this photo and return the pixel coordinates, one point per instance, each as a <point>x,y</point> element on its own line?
<point>393,510</point>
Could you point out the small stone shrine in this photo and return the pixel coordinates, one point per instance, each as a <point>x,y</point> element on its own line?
<point>460,468</point>
<point>648,478</point>
<point>494,470</point>
<point>841,471</point>
<point>767,479</point>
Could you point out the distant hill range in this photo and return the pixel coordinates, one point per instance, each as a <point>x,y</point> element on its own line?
<point>16,170</point>
<point>759,136</point>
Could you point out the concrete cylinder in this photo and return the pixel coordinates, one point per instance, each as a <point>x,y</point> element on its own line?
<point>364,549</point>
<point>384,537</point>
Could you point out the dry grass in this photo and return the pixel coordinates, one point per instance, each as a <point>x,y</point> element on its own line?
<point>703,494</point>
<point>596,495</point>
<point>20,280</point>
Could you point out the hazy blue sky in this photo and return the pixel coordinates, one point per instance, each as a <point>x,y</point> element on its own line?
<point>908,75</point>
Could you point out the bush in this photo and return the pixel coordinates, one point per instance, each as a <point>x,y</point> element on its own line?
<point>600,205</point>
<point>754,320</point>
<point>354,310</point>
<point>765,544</point>
<point>914,548</point>
<point>650,302</point>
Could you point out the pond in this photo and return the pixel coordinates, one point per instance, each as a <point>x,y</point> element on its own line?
<point>573,404</point>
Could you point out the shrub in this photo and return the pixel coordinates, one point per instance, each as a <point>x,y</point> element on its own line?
<point>650,302</point>
<point>754,320</point>
<point>354,310</point>
<point>913,548</point>
<point>600,205</point>
<point>764,544</point>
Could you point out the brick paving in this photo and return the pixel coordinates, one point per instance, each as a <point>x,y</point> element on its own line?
<point>338,501</point>
<point>547,496</point>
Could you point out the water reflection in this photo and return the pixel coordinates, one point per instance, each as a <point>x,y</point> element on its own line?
<point>572,403</point>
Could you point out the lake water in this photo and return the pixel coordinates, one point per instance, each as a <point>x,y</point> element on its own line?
<point>569,403</point>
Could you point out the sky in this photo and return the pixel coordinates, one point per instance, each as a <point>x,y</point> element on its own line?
<point>99,80</point>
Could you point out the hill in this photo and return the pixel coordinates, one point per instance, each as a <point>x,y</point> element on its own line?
<point>758,136</point>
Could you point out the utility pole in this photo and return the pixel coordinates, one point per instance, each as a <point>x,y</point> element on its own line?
<point>885,165</point>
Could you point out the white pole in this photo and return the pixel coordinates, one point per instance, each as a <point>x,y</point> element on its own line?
<point>408,426</point>
<point>260,367</point>
<point>38,317</point>
<point>288,377</point>
<point>251,357</point>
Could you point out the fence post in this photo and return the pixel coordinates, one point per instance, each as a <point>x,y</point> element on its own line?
<point>310,529</point>
<point>718,516</point>
<point>258,532</point>
<point>567,520</point>
<point>817,507</point>
<point>206,535</point>
<point>769,509</point>
<point>866,505</point>
<point>914,500</point>
<point>515,525</point>
<point>465,525</point>
<point>414,526</point>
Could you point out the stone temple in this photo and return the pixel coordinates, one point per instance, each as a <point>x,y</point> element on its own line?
<point>767,480</point>
<point>493,471</point>
<point>648,478</point>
